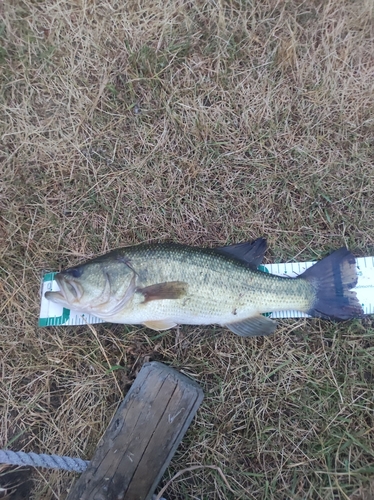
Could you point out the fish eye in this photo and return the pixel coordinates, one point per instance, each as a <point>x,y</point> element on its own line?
<point>74,272</point>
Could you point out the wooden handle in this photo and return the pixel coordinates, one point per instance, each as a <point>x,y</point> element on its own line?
<point>142,437</point>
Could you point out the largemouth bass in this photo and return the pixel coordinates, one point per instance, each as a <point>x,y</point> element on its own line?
<point>164,285</point>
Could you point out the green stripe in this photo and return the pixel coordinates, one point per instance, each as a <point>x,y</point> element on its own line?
<point>55,320</point>
<point>49,276</point>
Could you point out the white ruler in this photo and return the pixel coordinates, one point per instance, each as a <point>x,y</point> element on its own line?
<point>52,314</point>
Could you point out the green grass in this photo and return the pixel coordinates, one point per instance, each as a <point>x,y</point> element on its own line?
<point>204,123</point>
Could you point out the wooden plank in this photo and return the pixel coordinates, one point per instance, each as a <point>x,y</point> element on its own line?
<point>142,437</point>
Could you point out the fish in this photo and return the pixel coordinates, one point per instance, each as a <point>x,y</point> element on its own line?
<point>164,285</point>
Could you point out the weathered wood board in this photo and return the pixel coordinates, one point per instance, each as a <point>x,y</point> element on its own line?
<point>142,437</point>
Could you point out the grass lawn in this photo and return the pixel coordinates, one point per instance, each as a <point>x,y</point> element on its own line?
<point>208,123</point>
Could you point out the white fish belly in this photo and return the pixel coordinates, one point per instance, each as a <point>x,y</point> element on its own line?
<point>188,313</point>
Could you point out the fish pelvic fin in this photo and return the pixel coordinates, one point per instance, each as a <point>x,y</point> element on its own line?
<point>160,291</point>
<point>164,324</point>
<point>251,253</point>
<point>333,279</point>
<point>256,326</point>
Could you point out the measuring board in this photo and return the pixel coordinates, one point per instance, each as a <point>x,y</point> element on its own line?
<point>52,314</point>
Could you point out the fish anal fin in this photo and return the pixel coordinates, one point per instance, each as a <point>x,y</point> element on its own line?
<point>158,325</point>
<point>169,290</point>
<point>255,326</point>
<point>251,253</point>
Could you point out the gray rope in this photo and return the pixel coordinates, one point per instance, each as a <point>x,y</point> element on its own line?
<point>47,461</point>
<point>42,460</point>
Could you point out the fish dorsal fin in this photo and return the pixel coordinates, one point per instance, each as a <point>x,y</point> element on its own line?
<point>163,324</point>
<point>256,326</point>
<point>159,291</point>
<point>250,252</point>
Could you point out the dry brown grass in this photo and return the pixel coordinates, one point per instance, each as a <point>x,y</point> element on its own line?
<point>205,123</point>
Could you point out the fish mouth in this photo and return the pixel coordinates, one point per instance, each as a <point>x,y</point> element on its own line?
<point>69,293</point>
<point>56,297</point>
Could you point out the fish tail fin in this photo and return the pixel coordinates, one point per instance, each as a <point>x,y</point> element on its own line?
<point>333,279</point>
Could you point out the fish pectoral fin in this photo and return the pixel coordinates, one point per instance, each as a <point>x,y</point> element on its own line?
<point>251,253</point>
<point>163,324</point>
<point>253,327</point>
<point>160,291</point>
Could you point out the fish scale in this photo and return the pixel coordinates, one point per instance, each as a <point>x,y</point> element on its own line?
<point>220,289</point>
